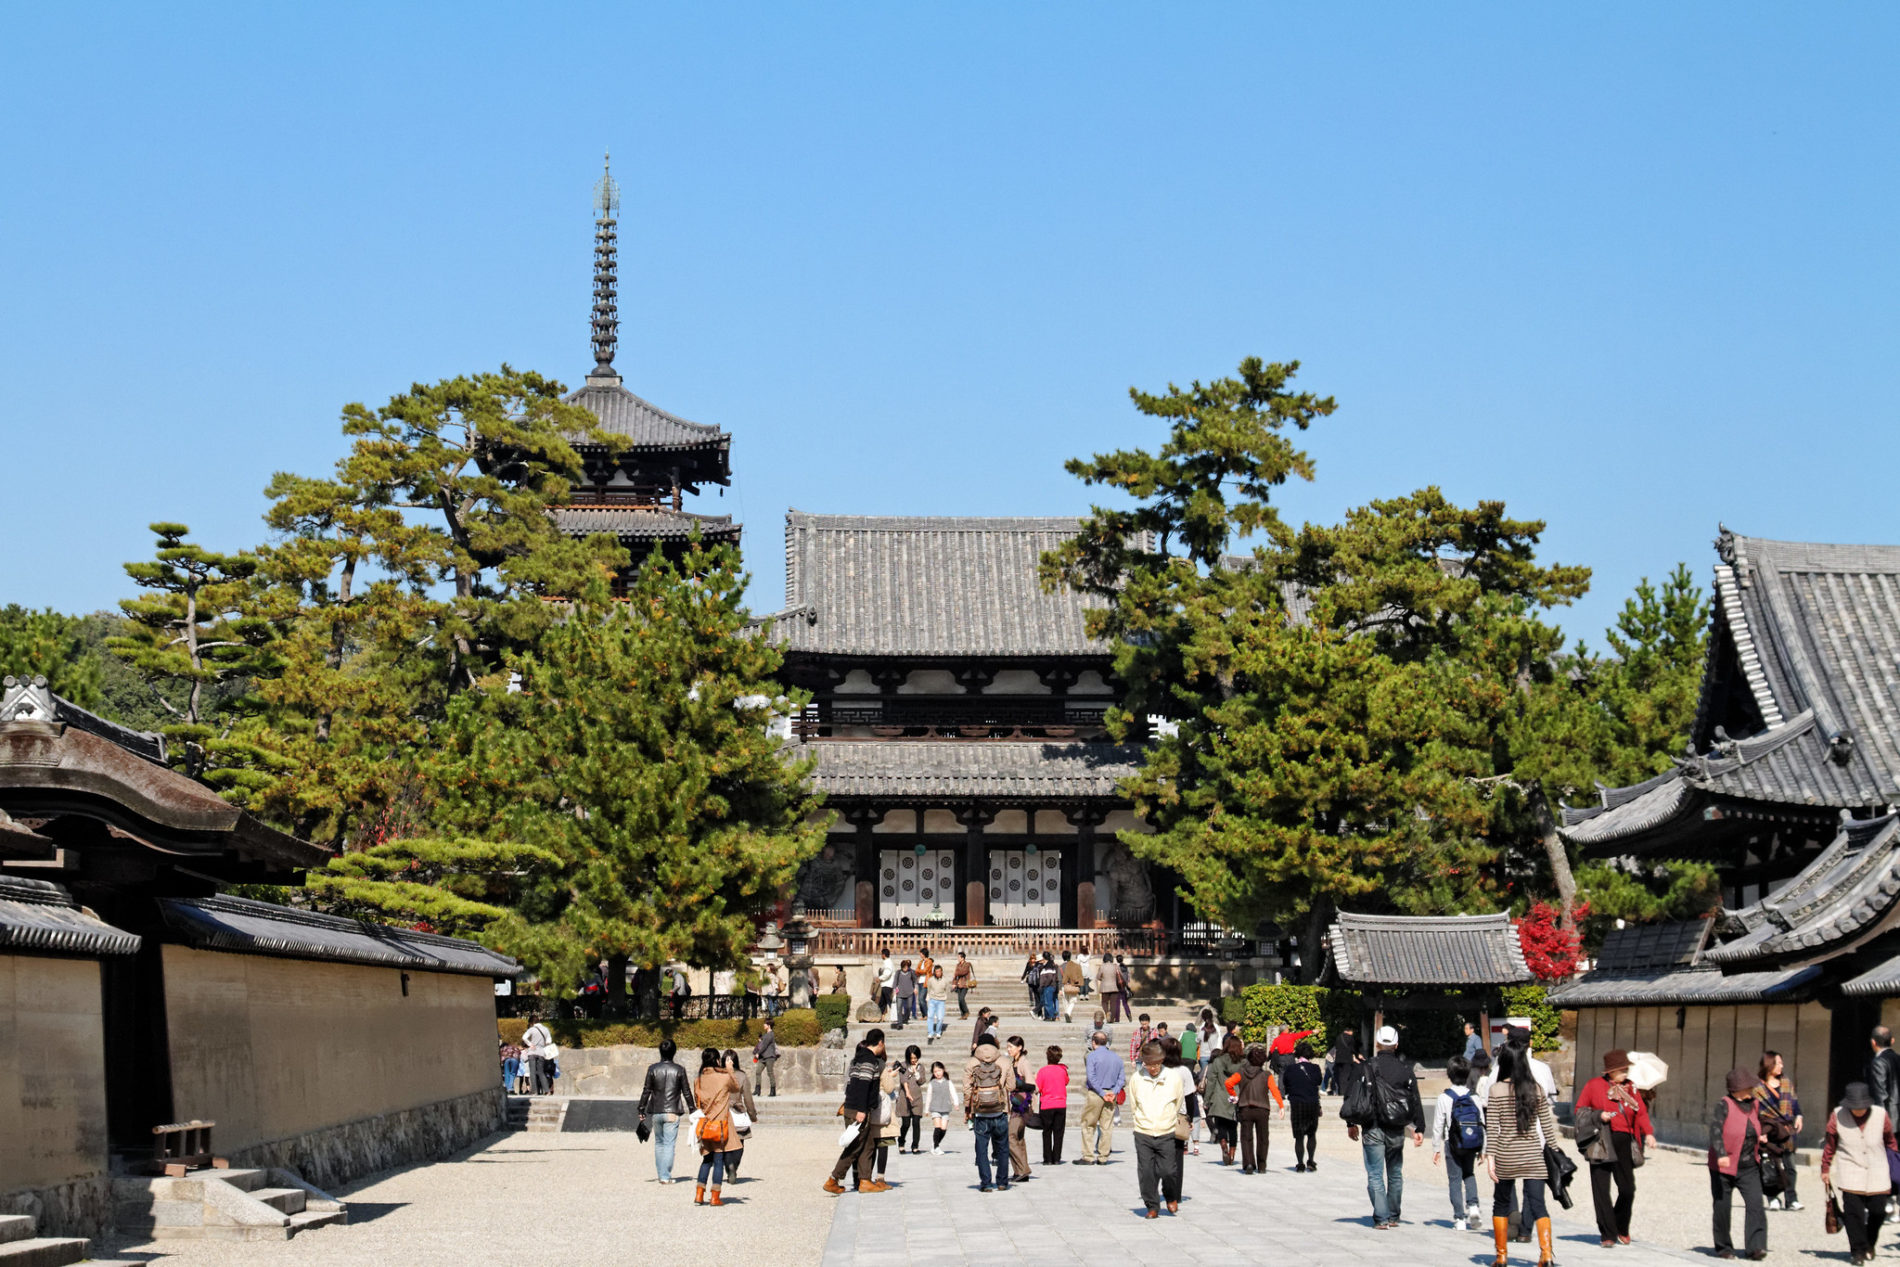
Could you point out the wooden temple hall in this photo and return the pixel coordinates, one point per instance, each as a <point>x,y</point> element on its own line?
<point>957,726</point>
<point>134,996</point>
<point>1789,788</point>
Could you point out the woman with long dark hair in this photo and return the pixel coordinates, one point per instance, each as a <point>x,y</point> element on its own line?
<point>715,1090</point>
<point>742,1100</point>
<point>1518,1123</point>
<point>1780,1123</point>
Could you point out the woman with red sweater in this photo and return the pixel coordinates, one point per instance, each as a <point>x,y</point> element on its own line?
<point>1625,1120</point>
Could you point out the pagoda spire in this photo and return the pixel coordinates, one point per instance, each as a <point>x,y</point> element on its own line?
<point>606,322</point>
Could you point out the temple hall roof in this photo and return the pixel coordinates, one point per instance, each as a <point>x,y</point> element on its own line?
<point>1844,897</point>
<point>973,769</point>
<point>1811,627</point>
<point>1438,950</point>
<point>903,586</point>
<point>1666,965</point>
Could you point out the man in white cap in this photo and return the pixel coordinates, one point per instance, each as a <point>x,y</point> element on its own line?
<point>1393,1084</point>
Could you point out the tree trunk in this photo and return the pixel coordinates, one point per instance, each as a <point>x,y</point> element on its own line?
<point>616,985</point>
<point>1311,956</point>
<point>1559,858</point>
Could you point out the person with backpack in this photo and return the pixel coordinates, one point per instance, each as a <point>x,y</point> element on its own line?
<point>986,1086</point>
<point>1458,1137</point>
<point>1612,1127</point>
<point>1302,1083</point>
<point>1381,1102</point>
<point>1254,1092</point>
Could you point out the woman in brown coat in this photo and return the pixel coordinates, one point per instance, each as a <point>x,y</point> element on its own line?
<point>744,1103</point>
<point>715,1091</point>
<point>1517,1124</point>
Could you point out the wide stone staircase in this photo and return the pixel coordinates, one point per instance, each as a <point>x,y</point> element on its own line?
<point>21,1246</point>
<point>231,1205</point>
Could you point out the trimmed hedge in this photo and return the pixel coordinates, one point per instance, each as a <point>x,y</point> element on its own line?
<point>798,1027</point>
<point>1547,1022</point>
<point>1292,1007</point>
<point>834,1012</point>
<point>1233,1008</point>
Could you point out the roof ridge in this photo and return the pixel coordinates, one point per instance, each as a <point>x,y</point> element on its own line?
<point>933,523</point>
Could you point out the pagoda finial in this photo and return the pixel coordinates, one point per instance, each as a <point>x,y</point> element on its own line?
<point>606,274</point>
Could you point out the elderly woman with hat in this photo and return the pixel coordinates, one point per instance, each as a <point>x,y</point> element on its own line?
<point>1622,1124</point>
<point>1735,1135</point>
<point>1854,1166</point>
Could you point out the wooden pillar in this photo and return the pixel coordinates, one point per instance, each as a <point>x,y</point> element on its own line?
<point>865,862</point>
<point>1484,1026</point>
<point>1085,821</point>
<point>976,864</point>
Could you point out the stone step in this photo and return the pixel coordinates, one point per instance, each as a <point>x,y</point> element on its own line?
<point>287,1200</point>
<point>309,1220</point>
<point>43,1251</point>
<point>15,1227</point>
<point>242,1180</point>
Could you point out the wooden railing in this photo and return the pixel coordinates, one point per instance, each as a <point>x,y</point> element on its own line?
<point>877,942</point>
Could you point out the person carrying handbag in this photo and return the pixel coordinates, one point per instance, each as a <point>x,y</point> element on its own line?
<point>714,1091</point>
<point>1613,1130</point>
<point>1854,1168</point>
<point>1518,1123</point>
<point>1780,1124</point>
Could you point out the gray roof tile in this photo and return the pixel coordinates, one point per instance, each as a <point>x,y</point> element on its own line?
<point>645,425</point>
<point>643,523</point>
<point>990,769</point>
<point>1839,900</point>
<point>1449,950</point>
<point>38,917</point>
<point>1649,947</point>
<point>870,585</point>
<point>240,924</point>
<point>1678,986</point>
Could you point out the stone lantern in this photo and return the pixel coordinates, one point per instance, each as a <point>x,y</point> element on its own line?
<point>798,957</point>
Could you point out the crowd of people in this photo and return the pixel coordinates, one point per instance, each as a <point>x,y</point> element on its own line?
<point>1494,1116</point>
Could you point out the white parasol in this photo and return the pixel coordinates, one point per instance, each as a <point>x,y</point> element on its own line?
<point>1647,1070</point>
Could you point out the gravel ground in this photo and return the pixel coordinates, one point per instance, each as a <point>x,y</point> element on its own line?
<point>556,1200</point>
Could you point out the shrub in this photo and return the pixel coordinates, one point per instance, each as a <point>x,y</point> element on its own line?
<point>795,1028</point>
<point>1233,1008</point>
<point>1546,1021</point>
<point>1290,1007</point>
<point>833,1011</point>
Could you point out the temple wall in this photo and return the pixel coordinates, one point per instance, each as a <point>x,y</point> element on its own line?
<point>52,1092</point>
<point>1710,1042</point>
<point>275,1049</point>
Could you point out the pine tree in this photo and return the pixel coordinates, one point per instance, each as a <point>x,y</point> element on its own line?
<point>199,630</point>
<point>52,645</point>
<point>635,746</point>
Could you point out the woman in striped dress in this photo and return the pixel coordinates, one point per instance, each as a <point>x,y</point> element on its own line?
<point>1517,1124</point>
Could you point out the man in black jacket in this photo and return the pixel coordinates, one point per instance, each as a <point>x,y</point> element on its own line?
<point>1883,1072</point>
<point>666,1097</point>
<point>1395,1105</point>
<point>861,1094</point>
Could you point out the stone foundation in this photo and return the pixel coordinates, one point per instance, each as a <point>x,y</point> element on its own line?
<point>334,1155</point>
<point>621,1071</point>
<point>80,1208</point>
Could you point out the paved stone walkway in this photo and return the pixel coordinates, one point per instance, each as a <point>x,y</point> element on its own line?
<point>1069,1215</point>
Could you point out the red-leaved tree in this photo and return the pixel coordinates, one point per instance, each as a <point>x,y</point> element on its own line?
<point>1550,950</point>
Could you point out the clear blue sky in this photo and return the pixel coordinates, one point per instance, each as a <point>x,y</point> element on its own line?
<point>1632,268</point>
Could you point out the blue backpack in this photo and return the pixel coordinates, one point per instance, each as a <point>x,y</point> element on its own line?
<point>1467,1128</point>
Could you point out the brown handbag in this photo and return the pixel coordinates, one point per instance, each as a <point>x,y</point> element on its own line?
<point>1833,1215</point>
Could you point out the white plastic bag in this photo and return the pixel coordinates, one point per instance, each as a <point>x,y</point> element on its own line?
<point>741,1122</point>
<point>848,1134</point>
